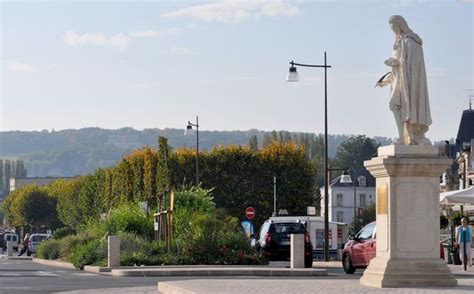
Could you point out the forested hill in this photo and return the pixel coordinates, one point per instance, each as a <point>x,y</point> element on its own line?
<point>74,152</point>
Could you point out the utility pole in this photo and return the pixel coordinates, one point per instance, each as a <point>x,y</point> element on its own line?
<point>274,196</point>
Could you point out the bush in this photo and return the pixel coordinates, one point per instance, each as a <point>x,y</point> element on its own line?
<point>130,218</point>
<point>63,232</point>
<point>91,253</point>
<point>70,243</point>
<point>49,249</point>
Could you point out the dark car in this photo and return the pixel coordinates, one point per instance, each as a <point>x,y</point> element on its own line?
<point>360,249</point>
<point>274,240</point>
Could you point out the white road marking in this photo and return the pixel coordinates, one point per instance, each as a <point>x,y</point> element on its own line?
<point>44,274</point>
<point>84,274</point>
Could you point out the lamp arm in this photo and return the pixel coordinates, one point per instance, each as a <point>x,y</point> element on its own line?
<point>309,65</point>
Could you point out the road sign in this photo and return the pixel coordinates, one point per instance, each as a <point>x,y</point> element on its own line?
<point>250,212</point>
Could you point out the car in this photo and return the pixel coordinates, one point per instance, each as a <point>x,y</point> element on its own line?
<point>360,249</point>
<point>34,241</point>
<point>8,236</point>
<point>274,240</point>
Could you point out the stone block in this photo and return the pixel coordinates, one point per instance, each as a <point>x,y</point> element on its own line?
<point>113,251</point>
<point>297,250</point>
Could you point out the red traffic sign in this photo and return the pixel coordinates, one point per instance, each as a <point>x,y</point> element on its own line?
<point>250,212</point>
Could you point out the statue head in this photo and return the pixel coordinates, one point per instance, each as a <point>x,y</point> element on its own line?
<point>398,25</point>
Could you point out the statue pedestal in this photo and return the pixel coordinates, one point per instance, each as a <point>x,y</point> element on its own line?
<point>408,250</point>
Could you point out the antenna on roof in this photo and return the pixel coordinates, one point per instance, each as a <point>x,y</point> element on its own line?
<point>470,96</point>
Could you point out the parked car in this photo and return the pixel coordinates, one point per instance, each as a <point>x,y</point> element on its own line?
<point>360,249</point>
<point>34,241</point>
<point>8,236</point>
<point>274,240</point>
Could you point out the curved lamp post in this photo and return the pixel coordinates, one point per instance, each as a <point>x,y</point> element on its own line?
<point>294,77</point>
<point>189,131</point>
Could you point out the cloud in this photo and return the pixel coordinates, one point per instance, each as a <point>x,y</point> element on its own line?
<point>160,33</point>
<point>177,51</point>
<point>119,41</point>
<point>19,67</point>
<point>235,11</point>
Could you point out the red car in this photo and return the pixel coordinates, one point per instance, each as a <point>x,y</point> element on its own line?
<point>359,251</point>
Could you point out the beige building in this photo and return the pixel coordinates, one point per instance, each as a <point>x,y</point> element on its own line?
<point>17,183</point>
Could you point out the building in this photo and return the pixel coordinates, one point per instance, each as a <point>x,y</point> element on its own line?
<point>465,158</point>
<point>17,183</point>
<point>341,196</point>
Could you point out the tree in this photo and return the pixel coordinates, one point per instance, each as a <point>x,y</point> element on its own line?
<point>20,169</point>
<point>1,178</point>
<point>253,143</point>
<point>356,149</point>
<point>367,215</point>
<point>7,169</point>
<point>33,207</point>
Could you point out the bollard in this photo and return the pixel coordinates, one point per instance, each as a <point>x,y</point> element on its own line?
<point>297,250</point>
<point>9,248</point>
<point>113,251</point>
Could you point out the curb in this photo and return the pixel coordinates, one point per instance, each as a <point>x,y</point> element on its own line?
<point>97,269</point>
<point>260,272</point>
<point>56,263</point>
<point>17,257</point>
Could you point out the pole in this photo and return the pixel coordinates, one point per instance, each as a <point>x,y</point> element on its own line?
<point>274,196</point>
<point>197,150</point>
<point>326,170</point>
<point>355,203</point>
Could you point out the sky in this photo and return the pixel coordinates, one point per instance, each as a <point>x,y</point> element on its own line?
<point>158,64</point>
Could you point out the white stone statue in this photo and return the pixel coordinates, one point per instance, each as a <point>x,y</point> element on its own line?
<point>409,90</point>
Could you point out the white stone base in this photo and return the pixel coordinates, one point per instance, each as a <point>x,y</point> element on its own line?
<point>396,273</point>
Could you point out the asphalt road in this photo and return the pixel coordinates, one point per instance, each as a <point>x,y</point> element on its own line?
<point>24,276</point>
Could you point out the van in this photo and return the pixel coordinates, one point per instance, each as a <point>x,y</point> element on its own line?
<point>12,237</point>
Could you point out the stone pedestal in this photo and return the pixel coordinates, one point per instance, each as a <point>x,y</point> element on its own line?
<point>113,251</point>
<point>297,250</point>
<point>9,248</point>
<point>408,250</point>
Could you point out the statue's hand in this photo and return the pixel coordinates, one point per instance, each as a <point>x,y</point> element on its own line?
<point>392,62</point>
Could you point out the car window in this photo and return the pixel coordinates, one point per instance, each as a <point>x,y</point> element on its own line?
<point>367,232</point>
<point>9,237</point>
<point>264,229</point>
<point>289,228</point>
<point>37,238</point>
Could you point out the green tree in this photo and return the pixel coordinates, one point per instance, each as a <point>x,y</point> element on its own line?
<point>33,207</point>
<point>1,178</point>
<point>253,143</point>
<point>7,176</point>
<point>367,215</point>
<point>20,169</point>
<point>355,150</point>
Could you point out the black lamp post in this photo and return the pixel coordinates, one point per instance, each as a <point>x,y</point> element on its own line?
<point>293,77</point>
<point>188,130</point>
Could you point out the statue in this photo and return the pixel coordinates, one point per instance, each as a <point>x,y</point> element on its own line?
<point>409,90</point>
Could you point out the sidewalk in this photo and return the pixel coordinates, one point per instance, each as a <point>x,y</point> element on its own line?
<point>331,284</point>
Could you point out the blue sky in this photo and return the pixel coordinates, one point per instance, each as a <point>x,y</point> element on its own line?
<point>158,64</point>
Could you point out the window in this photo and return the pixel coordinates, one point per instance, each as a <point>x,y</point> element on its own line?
<point>361,180</point>
<point>367,232</point>
<point>362,202</point>
<point>339,199</point>
<point>340,216</point>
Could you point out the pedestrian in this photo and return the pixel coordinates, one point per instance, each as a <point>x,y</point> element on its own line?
<point>463,241</point>
<point>24,246</point>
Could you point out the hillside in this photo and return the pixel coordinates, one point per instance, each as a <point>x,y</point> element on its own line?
<point>74,152</point>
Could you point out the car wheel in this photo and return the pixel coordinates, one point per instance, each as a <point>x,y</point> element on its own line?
<point>347,264</point>
<point>308,262</point>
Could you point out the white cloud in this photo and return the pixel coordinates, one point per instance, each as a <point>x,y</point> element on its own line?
<point>119,41</point>
<point>235,11</point>
<point>158,33</point>
<point>19,66</point>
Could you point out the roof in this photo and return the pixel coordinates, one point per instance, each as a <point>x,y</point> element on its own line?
<point>466,127</point>
<point>369,179</point>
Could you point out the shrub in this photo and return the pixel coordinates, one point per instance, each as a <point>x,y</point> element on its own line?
<point>63,232</point>
<point>49,249</point>
<point>70,243</point>
<point>130,218</point>
<point>91,253</point>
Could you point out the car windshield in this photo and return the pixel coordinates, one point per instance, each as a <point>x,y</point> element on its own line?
<point>289,228</point>
<point>37,238</point>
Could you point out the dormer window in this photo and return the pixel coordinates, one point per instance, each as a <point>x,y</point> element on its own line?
<point>362,182</point>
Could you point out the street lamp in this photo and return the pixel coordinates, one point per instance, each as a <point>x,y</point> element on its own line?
<point>189,131</point>
<point>294,77</point>
<point>346,179</point>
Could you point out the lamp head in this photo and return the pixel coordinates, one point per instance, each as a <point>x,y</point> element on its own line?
<point>189,130</point>
<point>345,178</point>
<point>292,74</point>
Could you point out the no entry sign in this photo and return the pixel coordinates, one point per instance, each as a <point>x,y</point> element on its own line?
<point>250,212</point>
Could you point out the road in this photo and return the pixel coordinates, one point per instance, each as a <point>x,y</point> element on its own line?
<point>24,276</point>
